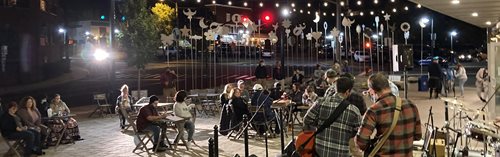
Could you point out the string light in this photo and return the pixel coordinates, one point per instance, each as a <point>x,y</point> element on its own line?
<point>261,4</point>
<point>308,12</point>
<point>393,1</point>
<point>293,5</point>
<point>419,6</point>
<point>361,13</point>
<point>324,14</point>
<point>325,4</point>
<point>359,2</point>
<point>333,14</point>
<point>213,2</point>
<point>301,11</point>
<point>308,4</point>
<point>351,14</point>
<point>245,4</point>
<point>229,3</point>
<point>371,13</point>
<point>277,5</point>
<point>198,1</point>
<point>394,10</point>
<point>294,10</point>
<point>488,22</point>
<point>341,14</point>
<point>383,12</point>
<point>341,3</point>
<point>376,1</point>
<point>406,7</point>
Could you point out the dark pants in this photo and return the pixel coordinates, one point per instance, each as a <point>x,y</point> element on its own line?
<point>434,84</point>
<point>31,139</point>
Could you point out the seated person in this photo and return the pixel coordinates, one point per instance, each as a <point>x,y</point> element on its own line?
<point>181,109</point>
<point>58,107</point>
<point>239,106</point>
<point>261,97</point>
<point>296,94</point>
<point>309,97</point>
<point>12,128</point>
<point>124,102</point>
<point>147,120</point>
<point>276,92</point>
<point>30,116</point>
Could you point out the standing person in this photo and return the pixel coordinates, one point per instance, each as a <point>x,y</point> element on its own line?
<point>13,129</point>
<point>435,77</point>
<point>297,77</point>
<point>148,119</point>
<point>260,73</point>
<point>331,77</point>
<point>32,118</point>
<point>379,117</point>
<point>334,140</point>
<point>123,103</point>
<point>461,77</point>
<point>181,109</point>
<point>168,80</point>
<point>482,82</point>
<point>58,106</point>
<point>278,75</point>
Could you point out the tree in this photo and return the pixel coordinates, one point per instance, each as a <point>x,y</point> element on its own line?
<point>164,15</point>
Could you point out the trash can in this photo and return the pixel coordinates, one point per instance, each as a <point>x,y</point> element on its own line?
<point>422,83</point>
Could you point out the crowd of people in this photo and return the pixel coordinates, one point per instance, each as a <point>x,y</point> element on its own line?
<point>38,126</point>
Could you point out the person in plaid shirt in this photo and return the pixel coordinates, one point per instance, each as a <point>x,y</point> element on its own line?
<point>334,140</point>
<point>379,116</point>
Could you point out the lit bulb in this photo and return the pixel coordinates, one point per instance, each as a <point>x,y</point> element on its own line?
<point>341,14</point>
<point>198,1</point>
<point>341,3</point>
<point>383,12</point>
<point>325,4</point>
<point>376,1</point>
<point>359,2</point>
<point>333,14</point>
<point>301,11</point>
<point>475,14</point>
<point>229,3</point>
<point>324,14</point>
<point>308,4</point>
<point>293,5</point>
<point>361,13</point>
<point>406,7</point>
<point>371,13</point>
<point>261,4</point>
<point>308,12</point>
<point>277,5</point>
<point>393,1</point>
<point>394,10</point>
<point>213,2</point>
<point>419,6</point>
<point>488,22</point>
<point>351,14</point>
<point>245,4</point>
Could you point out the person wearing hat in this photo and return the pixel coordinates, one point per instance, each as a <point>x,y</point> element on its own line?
<point>331,77</point>
<point>148,119</point>
<point>261,97</point>
<point>276,92</point>
<point>435,77</point>
<point>244,92</point>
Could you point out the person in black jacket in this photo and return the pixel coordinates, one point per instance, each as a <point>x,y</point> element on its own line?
<point>297,77</point>
<point>239,107</point>
<point>276,92</point>
<point>278,75</point>
<point>12,128</point>
<point>435,77</point>
<point>260,73</point>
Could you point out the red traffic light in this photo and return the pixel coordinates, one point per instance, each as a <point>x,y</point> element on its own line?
<point>267,18</point>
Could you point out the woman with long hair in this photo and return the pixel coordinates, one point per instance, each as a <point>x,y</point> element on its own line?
<point>225,114</point>
<point>181,109</point>
<point>60,108</point>
<point>239,107</point>
<point>32,118</point>
<point>124,103</point>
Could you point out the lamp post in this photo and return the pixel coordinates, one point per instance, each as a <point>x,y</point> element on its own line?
<point>452,34</point>
<point>63,31</point>
<point>422,24</point>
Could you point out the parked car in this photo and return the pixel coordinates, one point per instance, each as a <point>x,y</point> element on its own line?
<point>268,53</point>
<point>359,56</point>
<point>428,60</point>
<point>162,51</point>
<point>465,57</point>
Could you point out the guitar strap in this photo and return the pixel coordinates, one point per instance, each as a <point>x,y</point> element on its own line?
<point>393,125</point>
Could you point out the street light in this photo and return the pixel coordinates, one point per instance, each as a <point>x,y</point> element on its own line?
<point>100,54</point>
<point>63,31</point>
<point>422,24</point>
<point>452,34</point>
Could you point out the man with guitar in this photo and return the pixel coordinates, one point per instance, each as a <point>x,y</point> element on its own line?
<point>334,139</point>
<point>393,139</point>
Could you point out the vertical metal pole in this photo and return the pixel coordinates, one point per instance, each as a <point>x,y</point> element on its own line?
<point>421,48</point>
<point>432,38</point>
<point>216,140</point>
<point>337,23</point>
<point>282,132</point>
<point>211,147</point>
<point>111,38</point>
<point>245,135</point>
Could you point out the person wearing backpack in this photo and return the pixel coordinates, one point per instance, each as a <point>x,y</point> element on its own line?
<point>334,139</point>
<point>395,139</point>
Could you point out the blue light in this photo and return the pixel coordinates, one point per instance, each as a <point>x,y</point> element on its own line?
<point>103,17</point>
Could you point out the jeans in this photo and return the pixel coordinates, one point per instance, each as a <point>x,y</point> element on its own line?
<point>156,132</point>
<point>461,83</point>
<point>31,139</point>
<point>189,126</point>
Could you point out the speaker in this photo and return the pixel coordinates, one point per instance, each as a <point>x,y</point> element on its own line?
<point>406,53</point>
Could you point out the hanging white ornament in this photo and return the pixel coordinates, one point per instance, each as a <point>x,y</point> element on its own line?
<point>358,29</point>
<point>299,29</point>
<point>185,31</point>
<point>167,40</point>
<point>189,13</point>
<point>214,25</point>
<point>316,20</point>
<point>387,17</point>
<point>209,35</point>
<point>236,18</point>
<point>346,22</point>
<point>223,30</point>
<point>287,31</point>
<point>273,37</point>
<point>275,26</point>
<point>335,32</point>
<point>309,36</point>
<point>286,23</point>
<point>195,37</point>
<point>202,23</point>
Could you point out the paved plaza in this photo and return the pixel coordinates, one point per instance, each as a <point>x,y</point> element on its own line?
<point>104,138</point>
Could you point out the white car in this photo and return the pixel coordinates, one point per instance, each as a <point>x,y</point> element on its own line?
<point>267,53</point>
<point>360,57</point>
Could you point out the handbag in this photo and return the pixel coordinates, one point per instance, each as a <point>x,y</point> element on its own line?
<point>372,149</point>
<point>305,140</point>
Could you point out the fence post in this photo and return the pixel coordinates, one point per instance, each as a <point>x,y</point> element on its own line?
<point>216,140</point>
<point>245,134</point>
<point>211,147</point>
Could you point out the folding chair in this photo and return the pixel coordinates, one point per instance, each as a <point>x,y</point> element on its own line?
<point>207,104</point>
<point>253,124</point>
<point>144,138</point>
<point>103,107</point>
<point>130,118</point>
<point>15,146</point>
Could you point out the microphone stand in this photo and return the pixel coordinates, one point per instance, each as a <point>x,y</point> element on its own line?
<point>489,99</point>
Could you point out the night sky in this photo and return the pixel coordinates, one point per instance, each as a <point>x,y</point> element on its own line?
<point>469,36</point>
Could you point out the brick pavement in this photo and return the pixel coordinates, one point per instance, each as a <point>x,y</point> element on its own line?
<point>103,137</point>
